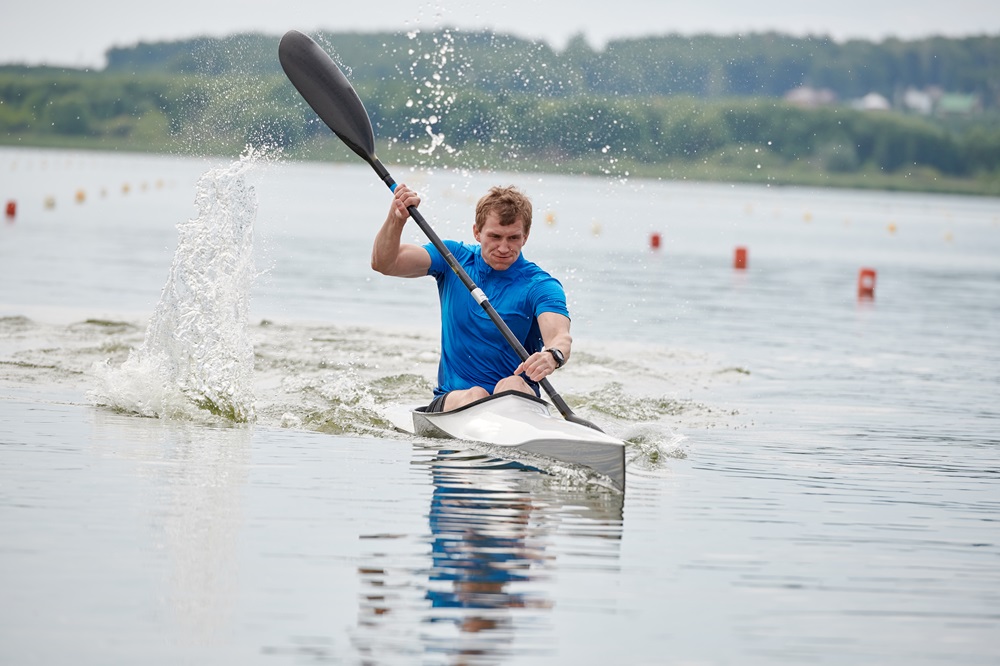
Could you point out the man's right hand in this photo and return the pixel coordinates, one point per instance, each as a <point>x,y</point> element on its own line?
<point>402,199</point>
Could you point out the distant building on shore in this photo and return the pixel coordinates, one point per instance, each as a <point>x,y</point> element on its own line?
<point>873,101</point>
<point>921,101</point>
<point>954,104</point>
<point>808,97</point>
<point>930,100</point>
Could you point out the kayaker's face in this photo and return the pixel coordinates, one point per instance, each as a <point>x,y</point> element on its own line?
<point>501,245</point>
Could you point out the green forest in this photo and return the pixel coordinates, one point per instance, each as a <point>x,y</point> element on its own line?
<point>768,108</point>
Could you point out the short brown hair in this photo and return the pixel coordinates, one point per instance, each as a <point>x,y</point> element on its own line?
<point>509,203</point>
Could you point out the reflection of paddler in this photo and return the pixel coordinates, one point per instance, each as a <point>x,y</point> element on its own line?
<point>479,544</point>
<point>490,528</point>
<point>479,523</point>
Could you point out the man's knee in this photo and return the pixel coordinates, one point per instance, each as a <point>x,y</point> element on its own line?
<point>513,384</point>
<point>456,399</point>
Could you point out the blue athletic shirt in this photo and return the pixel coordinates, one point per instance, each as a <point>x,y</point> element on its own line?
<point>473,351</point>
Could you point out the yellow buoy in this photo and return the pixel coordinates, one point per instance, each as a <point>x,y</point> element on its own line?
<point>595,228</point>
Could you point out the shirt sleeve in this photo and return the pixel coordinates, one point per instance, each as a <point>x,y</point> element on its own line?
<point>549,296</point>
<point>439,266</point>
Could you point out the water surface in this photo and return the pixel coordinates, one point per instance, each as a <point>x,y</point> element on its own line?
<point>813,478</point>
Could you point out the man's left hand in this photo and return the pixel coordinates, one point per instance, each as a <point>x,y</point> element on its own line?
<point>537,367</point>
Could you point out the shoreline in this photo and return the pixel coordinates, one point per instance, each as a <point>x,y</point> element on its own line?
<point>328,150</point>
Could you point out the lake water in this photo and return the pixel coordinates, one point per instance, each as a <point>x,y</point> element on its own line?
<point>814,477</point>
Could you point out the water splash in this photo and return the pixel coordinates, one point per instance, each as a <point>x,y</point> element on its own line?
<point>339,402</point>
<point>648,446</point>
<point>432,99</point>
<point>197,358</point>
<point>613,400</point>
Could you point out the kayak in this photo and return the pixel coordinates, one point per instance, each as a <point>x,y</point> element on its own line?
<point>526,423</point>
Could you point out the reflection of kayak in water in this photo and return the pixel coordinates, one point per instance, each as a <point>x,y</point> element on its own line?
<point>520,421</point>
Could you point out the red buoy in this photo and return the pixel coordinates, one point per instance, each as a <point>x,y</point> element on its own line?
<point>866,283</point>
<point>740,259</point>
<point>654,240</point>
<point>11,209</point>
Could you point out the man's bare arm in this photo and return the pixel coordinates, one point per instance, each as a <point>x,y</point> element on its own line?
<point>389,255</point>
<point>554,328</point>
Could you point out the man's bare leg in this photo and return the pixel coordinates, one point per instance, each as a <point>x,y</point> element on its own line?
<point>462,397</point>
<point>514,383</point>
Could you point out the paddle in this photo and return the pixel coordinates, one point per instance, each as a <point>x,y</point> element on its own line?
<point>330,94</point>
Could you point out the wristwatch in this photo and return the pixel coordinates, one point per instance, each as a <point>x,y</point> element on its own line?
<point>558,356</point>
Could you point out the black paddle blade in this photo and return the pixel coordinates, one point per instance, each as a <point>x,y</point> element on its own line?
<point>328,92</point>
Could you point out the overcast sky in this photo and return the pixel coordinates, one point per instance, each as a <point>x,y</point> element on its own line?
<point>60,32</point>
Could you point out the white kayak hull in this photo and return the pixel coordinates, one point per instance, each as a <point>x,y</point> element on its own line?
<point>527,423</point>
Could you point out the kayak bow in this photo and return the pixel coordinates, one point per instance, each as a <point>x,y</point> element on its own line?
<point>523,422</point>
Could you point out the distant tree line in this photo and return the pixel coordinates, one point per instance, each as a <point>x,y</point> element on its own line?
<point>754,65</point>
<point>667,100</point>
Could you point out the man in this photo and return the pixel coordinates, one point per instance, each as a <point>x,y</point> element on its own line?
<point>476,360</point>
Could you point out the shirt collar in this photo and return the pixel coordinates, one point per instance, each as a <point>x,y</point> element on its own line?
<point>485,269</point>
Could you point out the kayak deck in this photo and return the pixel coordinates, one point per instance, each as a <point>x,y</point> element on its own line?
<point>524,422</point>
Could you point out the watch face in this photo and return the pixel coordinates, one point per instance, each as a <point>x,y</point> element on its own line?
<point>560,359</point>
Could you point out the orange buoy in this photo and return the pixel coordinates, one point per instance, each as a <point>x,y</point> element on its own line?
<point>81,196</point>
<point>12,209</point>
<point>740,258</point>
<point>866,283</point>
<point>654,240</point>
